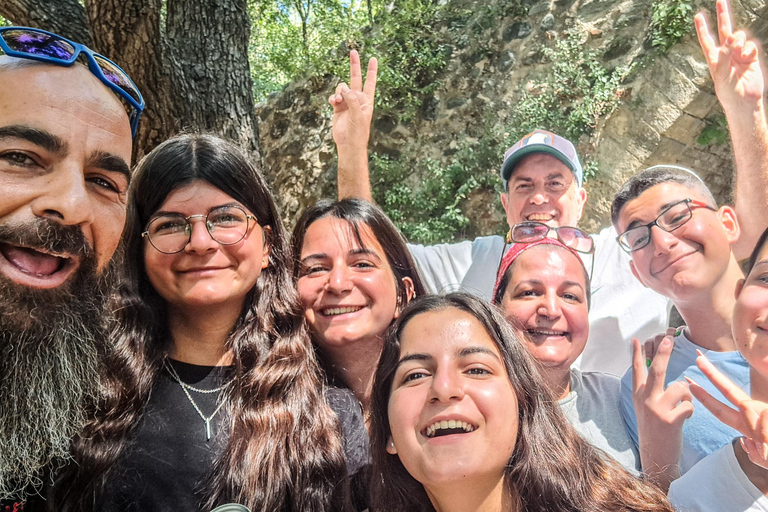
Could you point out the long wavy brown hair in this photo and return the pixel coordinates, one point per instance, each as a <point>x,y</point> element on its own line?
<point>284,451</point>
<point>551,469</point>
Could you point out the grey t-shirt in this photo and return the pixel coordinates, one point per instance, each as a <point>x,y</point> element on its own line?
<point>593,408</point>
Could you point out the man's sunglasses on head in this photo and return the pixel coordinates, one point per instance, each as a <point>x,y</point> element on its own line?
<point>35,44</point>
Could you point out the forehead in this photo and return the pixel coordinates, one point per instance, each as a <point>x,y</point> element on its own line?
<point>198,196</point>
<point>547,262</point>
<point>68,102</point>
<point>330,235</point>
<point>445,331</point>
<point>540,166</point>
<point>648,205</point>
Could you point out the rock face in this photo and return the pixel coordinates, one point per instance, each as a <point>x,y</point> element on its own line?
<point>668,112</point>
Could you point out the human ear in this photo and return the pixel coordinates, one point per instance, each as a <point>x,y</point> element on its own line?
<point>410,293</point>
<point>730,223</point>
<point>581,194</point>
<point>265,251</point>
<point>391,446</point>
<point>739,287</point>
<point>504,195</point>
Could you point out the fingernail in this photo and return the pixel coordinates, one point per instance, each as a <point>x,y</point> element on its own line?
<point>765,451</point>
<point>678,332</point>
<point>698,353</point>
<point>647,362</point>
<point>690,380</point>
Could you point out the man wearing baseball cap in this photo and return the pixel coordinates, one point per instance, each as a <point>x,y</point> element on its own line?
<point>543,180</point>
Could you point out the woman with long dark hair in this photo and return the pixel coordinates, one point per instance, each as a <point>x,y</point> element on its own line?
<point>212,394</point>
<point>462,420</point>
<point>354,274</point>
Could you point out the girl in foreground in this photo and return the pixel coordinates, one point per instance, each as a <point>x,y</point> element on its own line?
<point>543,289</point>
<point>463,421</point>
<point>212,393</point>
<point>735,478</point>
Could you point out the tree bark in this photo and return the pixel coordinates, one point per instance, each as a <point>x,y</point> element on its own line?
<point>64,17</point>
<point>194,75</point>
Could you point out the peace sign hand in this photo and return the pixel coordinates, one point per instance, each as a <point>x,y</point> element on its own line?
<point>750,416</point>
<point>660,413</point>
<point>353,105</point>
<point>735,64</point>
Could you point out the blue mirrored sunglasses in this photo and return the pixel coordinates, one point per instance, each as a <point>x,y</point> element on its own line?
<point>35,44</point>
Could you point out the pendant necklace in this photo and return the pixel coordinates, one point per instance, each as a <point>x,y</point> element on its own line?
<point>187,388</point>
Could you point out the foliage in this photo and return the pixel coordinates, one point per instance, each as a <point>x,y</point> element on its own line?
<point>716,132</point>
<point>4,22</point>
<point>576,91</point>
<point>412,57</point>
<point>291,37</point>
<point>430,211</point>
<point>671,21</point>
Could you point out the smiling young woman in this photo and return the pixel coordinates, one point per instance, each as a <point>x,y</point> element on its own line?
<point>463,421</point>
<point>212,394</point>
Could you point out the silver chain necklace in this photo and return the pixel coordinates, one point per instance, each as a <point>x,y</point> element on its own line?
<point>186,387</point>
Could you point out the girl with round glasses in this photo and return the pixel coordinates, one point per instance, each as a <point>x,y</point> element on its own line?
<point>212,394</point>
<point>463,421</point>
<point>543,290</point>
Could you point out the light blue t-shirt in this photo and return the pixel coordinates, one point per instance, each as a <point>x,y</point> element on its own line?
<point>702,432</point>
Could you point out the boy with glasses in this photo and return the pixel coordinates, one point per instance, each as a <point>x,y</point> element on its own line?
<point>65,149</point>
<point>680,245</point>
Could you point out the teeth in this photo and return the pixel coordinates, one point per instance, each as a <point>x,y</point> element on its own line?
<point>448,425</point>
<point>546,333</point>
<point>540,216</point>
<point>340,311</point>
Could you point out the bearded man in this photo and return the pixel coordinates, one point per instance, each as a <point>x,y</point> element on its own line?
<point>65,147</point>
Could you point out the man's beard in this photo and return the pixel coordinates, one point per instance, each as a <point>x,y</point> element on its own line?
<point>51,343</point>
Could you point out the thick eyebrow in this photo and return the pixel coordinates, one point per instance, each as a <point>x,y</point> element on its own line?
<point>42,138</point>
<point>166,212</point>
<point>477,350</point>
<point>636,223</point>
<point>360,251</point>
<point>414,357</point>
<point>110,163</point>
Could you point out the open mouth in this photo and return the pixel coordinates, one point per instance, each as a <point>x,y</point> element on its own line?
<point>540,217</point>
<point>32,267</point>
<point>447,428</point>
<point>340,310</point>
<point>543,334</point>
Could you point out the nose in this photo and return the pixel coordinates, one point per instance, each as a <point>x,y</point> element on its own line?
<point>339,280</point>
<point>549,306</point>
<point>200,240</point>
<point>662,240</point>
<point>446,386</point>
<point>539,196</point>
<point>65,197</point>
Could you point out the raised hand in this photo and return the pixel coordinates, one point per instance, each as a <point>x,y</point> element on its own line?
<point>353,104</point>
<point>734,64</point>
<point>660,413</point>
<point>750,416</point>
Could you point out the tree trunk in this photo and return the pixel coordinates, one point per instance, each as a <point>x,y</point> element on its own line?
<point>64,17</point>
<point>194,75</point>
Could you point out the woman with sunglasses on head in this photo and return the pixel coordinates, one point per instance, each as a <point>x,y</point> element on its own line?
<point>212,394</point>
<point>543,289</point>
<point>462,421</point>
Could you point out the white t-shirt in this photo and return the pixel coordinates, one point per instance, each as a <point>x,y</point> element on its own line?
<point>717,484</point>
<point>593,408</point>
<point>622,308</point>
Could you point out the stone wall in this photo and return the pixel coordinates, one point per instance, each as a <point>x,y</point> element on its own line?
<point>668,113</point>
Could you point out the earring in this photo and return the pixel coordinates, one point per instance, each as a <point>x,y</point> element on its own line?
<point>392,444</point>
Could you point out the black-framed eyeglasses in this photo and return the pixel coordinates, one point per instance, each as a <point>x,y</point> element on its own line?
<point>533,231</point>
<point>170,233</point>
<point>669,220</point>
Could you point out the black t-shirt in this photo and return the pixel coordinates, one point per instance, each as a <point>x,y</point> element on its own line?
<point>166,466</point>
